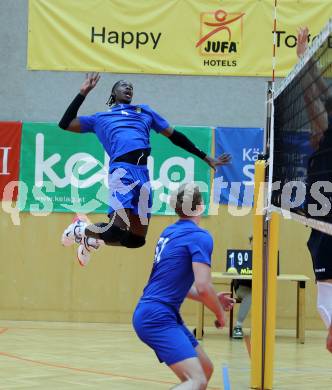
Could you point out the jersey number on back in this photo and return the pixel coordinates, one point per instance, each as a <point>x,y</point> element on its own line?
<point>159,248</point>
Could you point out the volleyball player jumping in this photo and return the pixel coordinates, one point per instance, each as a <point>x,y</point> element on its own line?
<point>124,132</point>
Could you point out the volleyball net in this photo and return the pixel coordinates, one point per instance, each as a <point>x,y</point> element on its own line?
<point>298,171</point>
<point>300,164</point>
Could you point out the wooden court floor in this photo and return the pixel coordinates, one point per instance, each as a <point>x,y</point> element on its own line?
<point>69,356</point>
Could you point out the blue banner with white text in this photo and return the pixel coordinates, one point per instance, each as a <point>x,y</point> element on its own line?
<point>234,183</point>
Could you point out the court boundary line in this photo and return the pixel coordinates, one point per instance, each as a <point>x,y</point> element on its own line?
<point>68,329</point>
<point>227,385</point>
<point>89,371</point>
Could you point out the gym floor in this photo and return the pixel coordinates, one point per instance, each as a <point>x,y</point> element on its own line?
<point>69,356</point>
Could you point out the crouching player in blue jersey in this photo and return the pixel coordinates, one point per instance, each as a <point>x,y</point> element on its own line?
<point>124,132</point>
<point>181,269</point>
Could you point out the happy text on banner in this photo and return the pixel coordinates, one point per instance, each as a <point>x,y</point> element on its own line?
<point>191,37</point>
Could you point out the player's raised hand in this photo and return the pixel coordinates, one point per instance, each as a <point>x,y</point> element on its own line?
<point>226,301</point>
<point>91,80</point>
<point>224,159</point>
<point>302,41</point>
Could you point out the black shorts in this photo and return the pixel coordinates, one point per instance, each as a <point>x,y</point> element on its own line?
<point>320,247</point>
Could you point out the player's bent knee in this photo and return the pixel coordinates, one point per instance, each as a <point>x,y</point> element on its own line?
<point>95,230</point>
<point>208,369</point>
<point>110,234</point>
<point>199,379</point>
<point>131,240</point>
<point>200,382</point>
<point>205,362</point>
<point>324,302</point>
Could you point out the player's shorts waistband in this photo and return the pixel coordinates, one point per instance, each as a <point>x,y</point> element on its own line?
<point>154,302</point>
<point>136,157</point>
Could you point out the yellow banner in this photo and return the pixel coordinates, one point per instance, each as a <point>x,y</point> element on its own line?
<point>191,37</point>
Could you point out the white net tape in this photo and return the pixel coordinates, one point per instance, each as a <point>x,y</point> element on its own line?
<point>312,223</point>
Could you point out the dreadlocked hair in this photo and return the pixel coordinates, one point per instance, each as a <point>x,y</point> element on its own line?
<point>111,99</point>
<point>186,199</point>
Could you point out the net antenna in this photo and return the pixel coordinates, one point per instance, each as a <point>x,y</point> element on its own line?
<point>265,285</point>
<point>299,146</point>
<point>270,114</point>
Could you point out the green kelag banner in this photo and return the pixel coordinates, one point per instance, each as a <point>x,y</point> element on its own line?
<point>62,171</point>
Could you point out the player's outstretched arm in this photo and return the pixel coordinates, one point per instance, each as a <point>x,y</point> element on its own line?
<point>314,88</point>
<point>205,292</point>
<point>179,139</point>
<point>302,41</point>
<point>69,121</point>
<point>225,299</point>
<point>321,87</point>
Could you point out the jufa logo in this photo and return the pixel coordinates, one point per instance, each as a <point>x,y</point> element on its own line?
<point>221,33</point>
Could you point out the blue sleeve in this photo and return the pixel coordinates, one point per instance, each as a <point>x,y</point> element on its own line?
<point>158,122</point>
<point>201,248</point>
<point>87,123</point>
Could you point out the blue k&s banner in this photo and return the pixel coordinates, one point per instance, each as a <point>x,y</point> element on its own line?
<point>234,183</point>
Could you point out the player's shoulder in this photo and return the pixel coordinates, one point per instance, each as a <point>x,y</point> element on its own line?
<point>201,237</point>
<point>171,229</point>
<point>194,231</point>
<point>200,233</point>
<point>100,114</point>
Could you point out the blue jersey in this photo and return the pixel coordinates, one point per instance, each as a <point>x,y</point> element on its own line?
<point>124,128</point>
<point>172,274</point>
